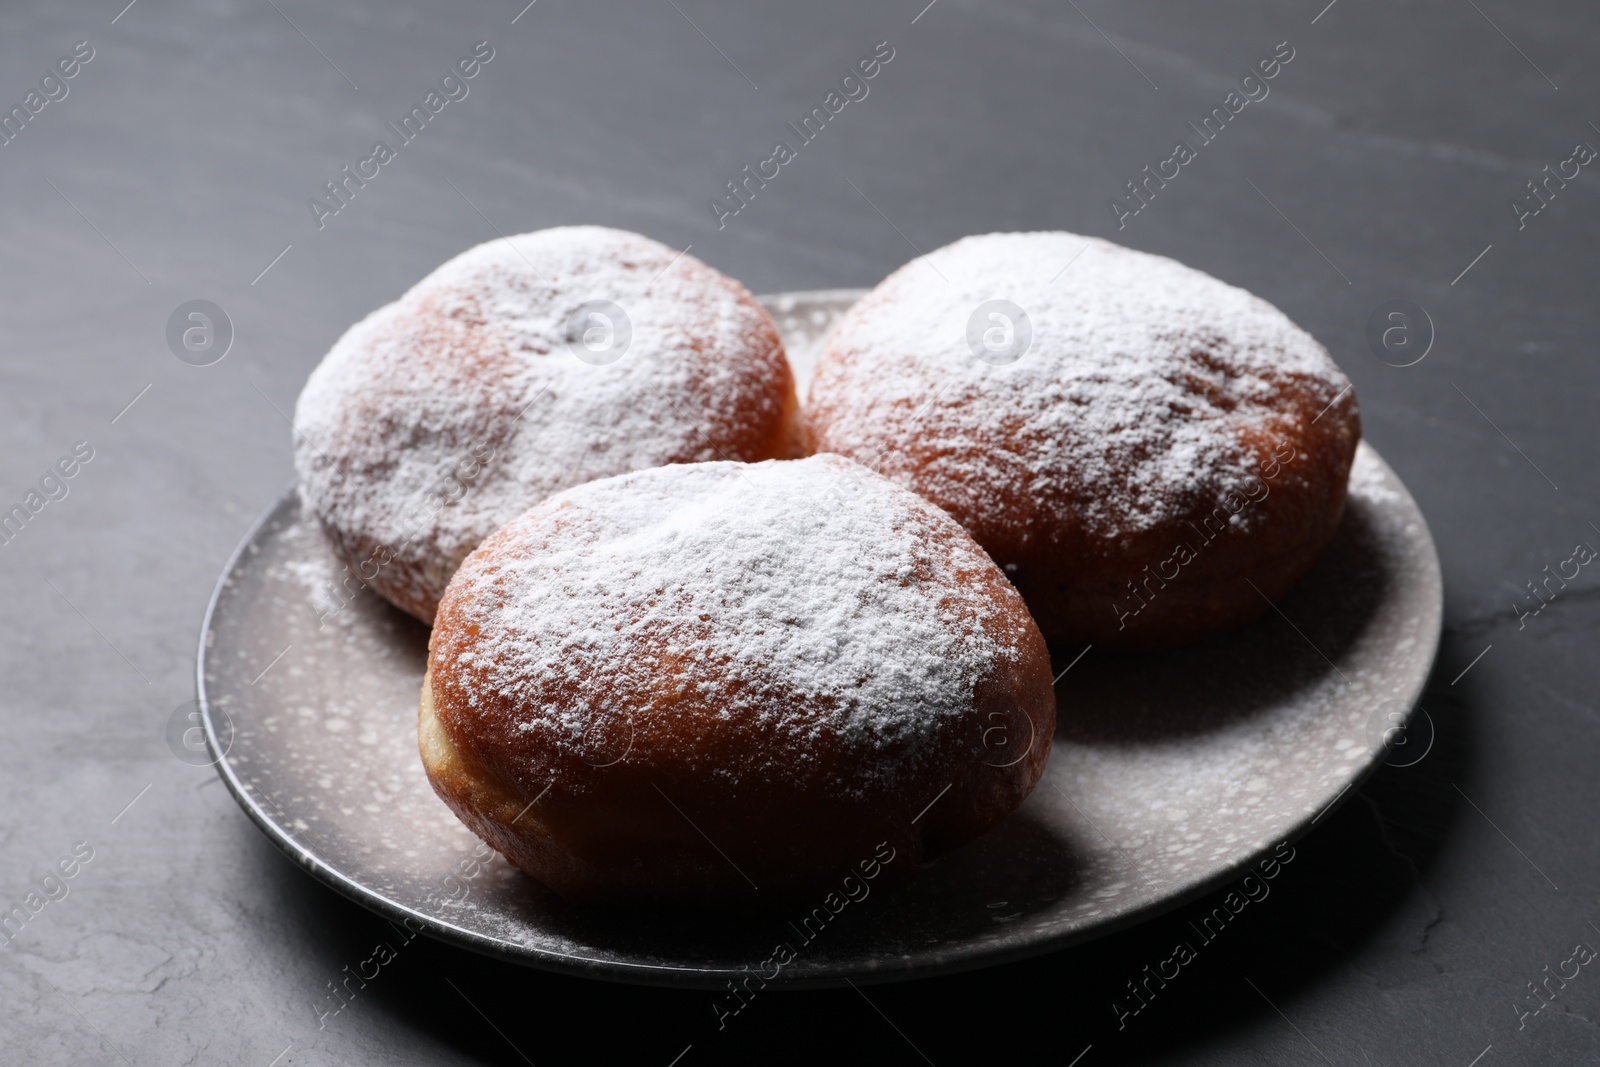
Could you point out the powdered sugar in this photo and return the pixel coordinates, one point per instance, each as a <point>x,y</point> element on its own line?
<point>439,417</point>
<point>801,599</point>
<point>1127,408</point>
<point>1372,481</point>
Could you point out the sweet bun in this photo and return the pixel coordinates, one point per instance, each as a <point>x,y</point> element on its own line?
<point>721,683</point>
<point>519,368</point>
<point>1151,455</point>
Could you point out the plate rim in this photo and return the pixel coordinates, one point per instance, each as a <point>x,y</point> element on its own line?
<point>964,957</point>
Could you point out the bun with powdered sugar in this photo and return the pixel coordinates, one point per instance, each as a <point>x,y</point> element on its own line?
<point>728,683</point>
<point>1152,455</point>
<point>517,369</point>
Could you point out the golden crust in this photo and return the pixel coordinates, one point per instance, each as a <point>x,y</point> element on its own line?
<point>1170,583</point>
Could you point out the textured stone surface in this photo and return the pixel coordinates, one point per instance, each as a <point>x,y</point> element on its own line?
<point>1408,925</point>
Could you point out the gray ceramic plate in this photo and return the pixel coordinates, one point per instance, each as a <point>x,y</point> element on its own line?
<point>1170,774</point>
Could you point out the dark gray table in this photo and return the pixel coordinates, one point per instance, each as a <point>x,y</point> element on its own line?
<point>178,166</point>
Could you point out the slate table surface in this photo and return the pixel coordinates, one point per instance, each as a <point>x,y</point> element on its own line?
<point>1416,920</point>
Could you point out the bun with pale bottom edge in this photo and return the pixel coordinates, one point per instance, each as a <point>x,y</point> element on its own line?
<point>726,683</point>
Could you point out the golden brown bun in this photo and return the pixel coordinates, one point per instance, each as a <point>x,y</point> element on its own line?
<point>519,368</point>
<point>1151,455</point>
<point>720,683</point>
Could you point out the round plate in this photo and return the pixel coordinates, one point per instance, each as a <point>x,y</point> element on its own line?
<point>1171,773</point>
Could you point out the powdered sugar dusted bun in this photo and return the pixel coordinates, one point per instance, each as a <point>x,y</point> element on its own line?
<point>519,368</point>
<point>1134,441</point>
<point>719,682</point>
